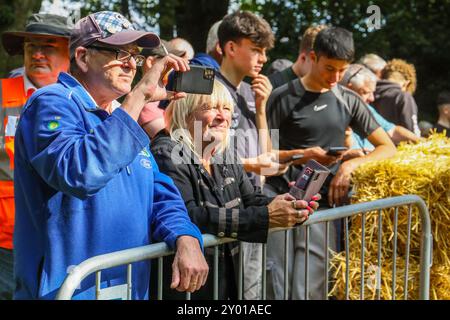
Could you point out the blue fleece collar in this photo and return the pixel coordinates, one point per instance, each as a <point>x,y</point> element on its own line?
<point>76,87</point>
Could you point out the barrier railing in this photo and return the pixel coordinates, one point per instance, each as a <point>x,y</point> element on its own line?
<point>159,250</point>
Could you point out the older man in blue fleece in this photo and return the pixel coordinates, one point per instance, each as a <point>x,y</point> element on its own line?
<point>86,183</point>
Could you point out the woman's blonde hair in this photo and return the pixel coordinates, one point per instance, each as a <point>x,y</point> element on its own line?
<point>179,111</point>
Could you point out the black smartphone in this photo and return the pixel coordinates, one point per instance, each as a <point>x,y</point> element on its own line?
<point>293,158</point>
<point>198,79</point>
<point>336,151</point>
<point>309,181</point>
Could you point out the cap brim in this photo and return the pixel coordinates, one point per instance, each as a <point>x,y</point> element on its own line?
<point>13,41</point>
<point>143,39</point>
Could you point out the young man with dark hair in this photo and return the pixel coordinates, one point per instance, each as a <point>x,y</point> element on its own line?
<point>244,39</point>
<point>288,105</point>
<point>315,111</point>
<point>443,104</point>
<point>302,65</point>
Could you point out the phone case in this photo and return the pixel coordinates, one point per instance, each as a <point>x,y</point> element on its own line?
<point>309,181</point>
<point>198,79</point>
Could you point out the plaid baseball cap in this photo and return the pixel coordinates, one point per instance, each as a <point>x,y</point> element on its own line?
<point>111,28</point>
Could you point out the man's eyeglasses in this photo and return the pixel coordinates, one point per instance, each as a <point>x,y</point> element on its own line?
<point>122,55</point>
<point>354,75</point>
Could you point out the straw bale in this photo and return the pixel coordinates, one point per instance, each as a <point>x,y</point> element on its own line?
<point>422,169</point>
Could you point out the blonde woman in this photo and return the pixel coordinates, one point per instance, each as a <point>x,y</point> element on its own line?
<point>195,152</point>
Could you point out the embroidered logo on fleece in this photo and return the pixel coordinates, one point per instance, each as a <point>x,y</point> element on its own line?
<point>53,125</point>
<point>147,164</point>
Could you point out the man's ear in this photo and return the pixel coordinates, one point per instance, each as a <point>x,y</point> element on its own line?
<point>218,48</point>
<point>446,109</point>
<point>230,48</point>
<point>408,82</point>
<point>313,56</point>
<point>149,61</point>
<point>302,57</point>
<point>405,85</point>
<point>81,58</point>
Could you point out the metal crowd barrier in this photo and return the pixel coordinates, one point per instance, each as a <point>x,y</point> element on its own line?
<point>159,250</point>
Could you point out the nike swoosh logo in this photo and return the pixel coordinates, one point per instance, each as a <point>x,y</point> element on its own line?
<point>318,108</point>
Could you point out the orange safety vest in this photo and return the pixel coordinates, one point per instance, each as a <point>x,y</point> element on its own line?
<point>12,100</point>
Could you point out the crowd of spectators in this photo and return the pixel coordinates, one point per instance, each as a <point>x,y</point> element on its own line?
<point>82,174</point>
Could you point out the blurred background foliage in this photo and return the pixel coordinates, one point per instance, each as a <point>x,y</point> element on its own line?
<point>417,31</point>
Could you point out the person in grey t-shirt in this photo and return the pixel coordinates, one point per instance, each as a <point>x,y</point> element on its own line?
<point>244,39</point>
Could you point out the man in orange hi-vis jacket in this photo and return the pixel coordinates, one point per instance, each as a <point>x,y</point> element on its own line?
<point>45,47</point>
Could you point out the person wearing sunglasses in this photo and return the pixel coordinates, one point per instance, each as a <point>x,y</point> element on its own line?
<point>86,182</point>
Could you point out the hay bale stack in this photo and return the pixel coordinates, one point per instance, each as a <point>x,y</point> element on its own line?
<point>422,169</point>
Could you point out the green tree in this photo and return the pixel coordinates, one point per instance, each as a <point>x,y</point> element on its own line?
<point>189,19</point>
<point>416,31</point>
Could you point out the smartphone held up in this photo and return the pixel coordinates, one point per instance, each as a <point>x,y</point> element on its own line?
<point>291,159</point>
<point>309,181</point>
<point>198,80</point>
<point>336,151</point>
